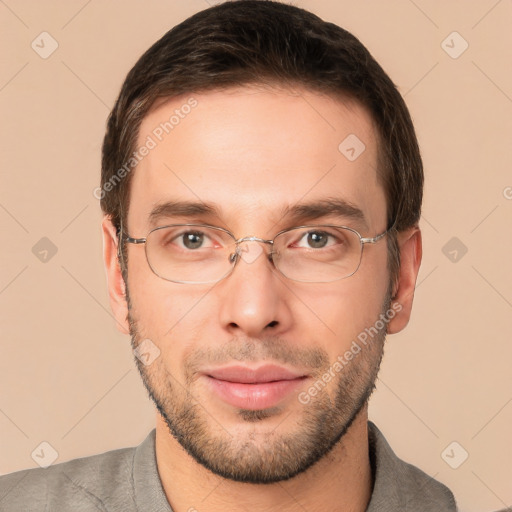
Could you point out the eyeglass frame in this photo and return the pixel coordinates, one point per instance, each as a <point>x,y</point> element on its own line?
<point>237,253</point>
<point>139,241</point>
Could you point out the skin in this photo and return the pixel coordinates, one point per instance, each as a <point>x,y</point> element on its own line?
<point>252,151</point>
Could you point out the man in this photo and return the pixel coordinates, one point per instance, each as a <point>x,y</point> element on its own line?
<point>261,185</point>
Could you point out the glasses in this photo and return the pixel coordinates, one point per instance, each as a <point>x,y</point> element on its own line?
<point>203,254</point>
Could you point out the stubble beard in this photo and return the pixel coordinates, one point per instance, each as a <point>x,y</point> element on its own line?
<point>263,455</point>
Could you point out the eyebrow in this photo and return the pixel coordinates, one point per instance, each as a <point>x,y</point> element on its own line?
<point>181,209</point>
<point>295,214</point>
<point>326,208</point>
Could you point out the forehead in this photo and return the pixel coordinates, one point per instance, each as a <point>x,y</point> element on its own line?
<point>255,151</point>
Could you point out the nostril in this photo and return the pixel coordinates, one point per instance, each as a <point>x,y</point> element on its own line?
<point>273,323</point>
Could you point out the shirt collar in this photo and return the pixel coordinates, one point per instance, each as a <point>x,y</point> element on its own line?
<point>399,486</point>
<point>149,492</point>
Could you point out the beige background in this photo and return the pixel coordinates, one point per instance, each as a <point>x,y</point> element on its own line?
<point>67,376</point>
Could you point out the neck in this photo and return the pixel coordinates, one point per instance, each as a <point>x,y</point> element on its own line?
<point>340,481</point>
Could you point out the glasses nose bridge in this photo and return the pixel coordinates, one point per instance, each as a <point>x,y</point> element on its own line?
<point>235,257</point>
<point>253,239</point>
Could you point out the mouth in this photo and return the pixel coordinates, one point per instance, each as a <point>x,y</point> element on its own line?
<point>253,388</point>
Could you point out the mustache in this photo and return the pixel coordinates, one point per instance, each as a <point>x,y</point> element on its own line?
<point>258,349</point>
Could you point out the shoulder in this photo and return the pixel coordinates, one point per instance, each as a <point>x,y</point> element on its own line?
<point>91,483</point>
<point>402,485</point>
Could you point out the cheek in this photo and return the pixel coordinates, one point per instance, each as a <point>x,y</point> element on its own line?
<point>343,310</point>
<point>169,314</point>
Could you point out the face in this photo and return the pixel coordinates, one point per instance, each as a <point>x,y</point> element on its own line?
<point>253,374</point>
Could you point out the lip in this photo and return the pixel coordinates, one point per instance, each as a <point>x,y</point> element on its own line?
<point>253,388</point>
<point>246,375</point>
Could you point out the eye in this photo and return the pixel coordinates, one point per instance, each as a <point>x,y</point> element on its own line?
<point>315,240</point>
<point>192,240</point>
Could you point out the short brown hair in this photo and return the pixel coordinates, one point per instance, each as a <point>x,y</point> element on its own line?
<point>245,42</point>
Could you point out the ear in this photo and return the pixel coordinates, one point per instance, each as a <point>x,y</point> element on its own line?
<point>409,243</point>
<point>115,281</point>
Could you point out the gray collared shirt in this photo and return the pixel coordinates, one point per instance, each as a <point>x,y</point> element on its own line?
<point>127,480</point>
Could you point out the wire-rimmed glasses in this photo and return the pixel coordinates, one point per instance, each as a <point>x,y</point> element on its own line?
<point>204,254</point>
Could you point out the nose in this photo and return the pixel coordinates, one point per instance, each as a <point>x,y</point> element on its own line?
<point>254,300</point>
